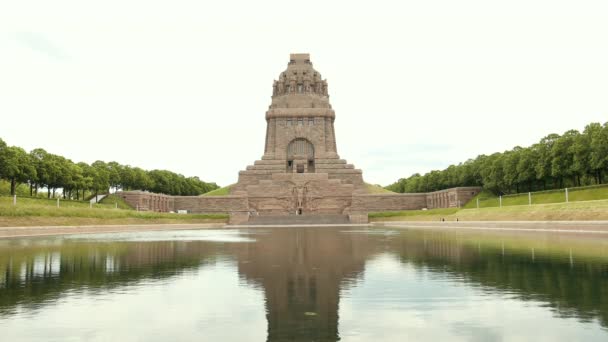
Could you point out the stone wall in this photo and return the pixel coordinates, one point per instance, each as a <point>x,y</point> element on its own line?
<point>451,198</point>
<point>211,204</point>
<point>148,201</point>
<point>448,198</point>
<point>318,195</point>
<point>388,202</point>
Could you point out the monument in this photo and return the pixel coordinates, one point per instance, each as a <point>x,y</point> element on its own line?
<point>300,178</point>
<point>300,172</point>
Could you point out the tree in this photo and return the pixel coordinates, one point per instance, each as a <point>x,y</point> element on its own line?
<point>543,165</point>
<point>562,157</point>
<point>141,179</point>
<point>16,166</point>
<point>72,179</point>
<point>580,151</point>
<point>127,177</point>
<point>525,167</point>
<point>115,172</point>
<point>101,177</point>
<point>598,149</point>
<point>510,160</point>
<point>86,183</point>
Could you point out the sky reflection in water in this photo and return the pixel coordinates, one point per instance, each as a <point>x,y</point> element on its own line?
<point>313,284</point>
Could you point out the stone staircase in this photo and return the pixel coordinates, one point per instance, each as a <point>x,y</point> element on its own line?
<point>98,198</point>
<point>295,220</point>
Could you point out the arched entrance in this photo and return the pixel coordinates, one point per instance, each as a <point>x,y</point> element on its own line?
<point>300,156</point>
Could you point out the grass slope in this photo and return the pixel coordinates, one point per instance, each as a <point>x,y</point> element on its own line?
<point>377,189</point>
<point>116,201</point>
<point>591,193</point>
<point>219,192</point>
<point>584,211</point>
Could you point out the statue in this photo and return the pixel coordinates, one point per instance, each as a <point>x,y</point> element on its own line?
<point>299,193</point>
<point>319,87</point>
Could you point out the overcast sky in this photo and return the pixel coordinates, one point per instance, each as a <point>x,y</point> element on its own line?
<point>184,85</point>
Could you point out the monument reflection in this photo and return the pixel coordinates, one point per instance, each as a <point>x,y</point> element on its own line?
<point>302,272</point>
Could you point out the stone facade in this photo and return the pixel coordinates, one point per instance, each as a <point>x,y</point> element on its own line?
<point>147,201</point>
<point>300,173</point>
<point>451,198</point>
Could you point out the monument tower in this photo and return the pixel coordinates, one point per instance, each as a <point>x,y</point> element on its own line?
<point>300,172</point>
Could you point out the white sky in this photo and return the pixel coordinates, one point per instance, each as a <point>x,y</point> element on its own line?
<point>184,85</point>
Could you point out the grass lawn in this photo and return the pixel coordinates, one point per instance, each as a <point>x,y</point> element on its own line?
<point>31,211</point>
<point>487,199</point>
<point>582,210</point>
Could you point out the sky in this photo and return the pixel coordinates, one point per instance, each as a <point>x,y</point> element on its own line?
<point>184,85</point>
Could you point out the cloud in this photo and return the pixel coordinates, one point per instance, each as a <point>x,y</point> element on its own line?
<point>38,42</point>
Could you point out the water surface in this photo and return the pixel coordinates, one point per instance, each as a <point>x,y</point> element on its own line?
<point>305,284</point>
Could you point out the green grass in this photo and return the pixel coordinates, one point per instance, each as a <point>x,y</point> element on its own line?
<point>114,200</point>
<point>51,203</point>
<point>34,211</point>
<point>581,210</point>
<point>591,193</point>
<point>219,192</point>
<point>377,189</point>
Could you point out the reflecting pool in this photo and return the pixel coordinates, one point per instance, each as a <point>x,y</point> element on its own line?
<point>305,284</point>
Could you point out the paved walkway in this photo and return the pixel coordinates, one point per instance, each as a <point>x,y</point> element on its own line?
<point>8,232</point>
<point>541,226</point>
<point>98,198</point>
<point>302,225</point>
<point>546,226</point>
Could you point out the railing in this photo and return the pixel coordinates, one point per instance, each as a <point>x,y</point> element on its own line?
<point>565,195</point>
<point>52,202</point>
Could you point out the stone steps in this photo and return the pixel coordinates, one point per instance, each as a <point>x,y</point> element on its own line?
<point>291,220</point>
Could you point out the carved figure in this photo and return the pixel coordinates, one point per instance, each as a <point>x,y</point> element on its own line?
<point>299,194</point>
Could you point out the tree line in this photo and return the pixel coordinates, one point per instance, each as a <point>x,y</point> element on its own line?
<point>556,161</point>
<point>40,169</point>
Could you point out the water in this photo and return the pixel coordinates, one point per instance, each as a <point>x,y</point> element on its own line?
<point>305,284</point>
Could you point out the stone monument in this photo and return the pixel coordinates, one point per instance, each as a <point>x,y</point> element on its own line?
<point>300,172</point>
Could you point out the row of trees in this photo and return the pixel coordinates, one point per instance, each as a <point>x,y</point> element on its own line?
<point>556,161</point>
<point>40,169</point>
